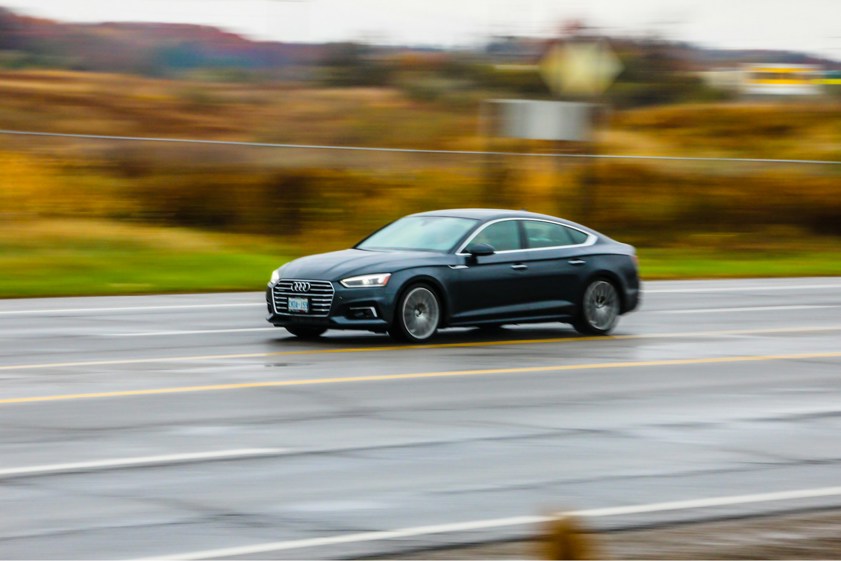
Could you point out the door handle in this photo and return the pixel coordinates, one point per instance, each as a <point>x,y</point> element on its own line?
<point>576,262</point>
<point>519,267</point>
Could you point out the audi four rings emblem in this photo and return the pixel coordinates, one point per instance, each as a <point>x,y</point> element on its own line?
<point>301,286</point>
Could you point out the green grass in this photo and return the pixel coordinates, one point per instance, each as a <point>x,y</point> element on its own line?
<point>67,259</point>
<point>79,273</point>
<point>681,263</point>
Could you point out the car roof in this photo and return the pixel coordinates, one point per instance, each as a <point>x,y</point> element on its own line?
<point>486,214</point>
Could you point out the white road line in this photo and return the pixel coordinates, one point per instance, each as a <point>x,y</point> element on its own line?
<point>141,461</point>
<point>712,502</point>
<point>352,538</point>
<point>503,522</point>
<point>57,311</point>
<point>195,332</point>
<point>756,288</point>
<point>746,309</point>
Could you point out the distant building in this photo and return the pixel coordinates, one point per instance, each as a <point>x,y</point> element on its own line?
<point>782,79</point>
<point>729,79</point>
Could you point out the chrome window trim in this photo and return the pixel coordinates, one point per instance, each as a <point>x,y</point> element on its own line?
<point>591,238</point>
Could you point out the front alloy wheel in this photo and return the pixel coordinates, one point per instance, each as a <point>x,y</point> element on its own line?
<point>599,311</point>
<point>418,315</point>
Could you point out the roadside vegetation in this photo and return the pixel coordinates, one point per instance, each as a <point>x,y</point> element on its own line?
<point>94,257</point>
<point>102,217</point>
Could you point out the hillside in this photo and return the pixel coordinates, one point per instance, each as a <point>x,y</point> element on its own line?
<point>143,48</point>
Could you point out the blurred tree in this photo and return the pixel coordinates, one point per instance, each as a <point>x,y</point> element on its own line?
<point>8,30</point>
<point>181,56</point>
<point>354,64</point>
<point>655,73</point>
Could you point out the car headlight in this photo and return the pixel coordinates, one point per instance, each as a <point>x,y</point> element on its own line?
<point>275,276</point>
<point>380,279</point>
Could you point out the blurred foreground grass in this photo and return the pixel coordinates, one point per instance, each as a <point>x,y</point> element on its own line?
<point>711,263</point>
<point>78,258</point>
<point>75,258</point>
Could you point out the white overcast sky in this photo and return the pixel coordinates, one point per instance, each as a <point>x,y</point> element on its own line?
<point>812,26</point>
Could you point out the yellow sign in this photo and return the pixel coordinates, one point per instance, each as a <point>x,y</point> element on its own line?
<point>580,68</point>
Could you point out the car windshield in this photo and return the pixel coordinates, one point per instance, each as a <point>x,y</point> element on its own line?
<point>420,233</point>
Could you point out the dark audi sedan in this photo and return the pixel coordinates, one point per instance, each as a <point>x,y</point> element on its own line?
<point>470,267</point>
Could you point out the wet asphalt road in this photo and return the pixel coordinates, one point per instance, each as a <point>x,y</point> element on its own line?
<point>169,425</point>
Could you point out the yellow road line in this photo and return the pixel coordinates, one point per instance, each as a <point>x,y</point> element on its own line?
<point>468,344</point>
<point>424,375</point>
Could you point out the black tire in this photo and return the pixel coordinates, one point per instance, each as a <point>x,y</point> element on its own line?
<point>599,308</point>
<point>304,332</point>
<point>417,315</point>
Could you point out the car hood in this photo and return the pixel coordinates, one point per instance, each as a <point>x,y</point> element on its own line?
<point>339,265</point>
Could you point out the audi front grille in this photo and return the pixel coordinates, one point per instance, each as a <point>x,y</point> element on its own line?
<point>319,293</point>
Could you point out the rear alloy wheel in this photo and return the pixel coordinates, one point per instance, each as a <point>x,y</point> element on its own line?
<point>599,311</point>
<point>418,315</point>
<point>306,332</point>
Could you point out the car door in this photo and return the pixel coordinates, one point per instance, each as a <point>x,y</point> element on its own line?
<point>558,265</point>
<point>490,287</point>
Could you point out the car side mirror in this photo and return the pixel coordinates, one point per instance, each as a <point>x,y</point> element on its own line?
<point>480,250</point>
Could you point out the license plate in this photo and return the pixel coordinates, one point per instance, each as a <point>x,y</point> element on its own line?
<point>299,305</point>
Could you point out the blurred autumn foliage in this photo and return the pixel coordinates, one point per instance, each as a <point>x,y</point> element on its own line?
<point>329,198</point>
<point>186,81</point>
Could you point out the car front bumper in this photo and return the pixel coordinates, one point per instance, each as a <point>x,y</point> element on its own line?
<point>369,309</point>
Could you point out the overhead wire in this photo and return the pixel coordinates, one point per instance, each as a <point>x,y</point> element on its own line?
<point>414,150</point>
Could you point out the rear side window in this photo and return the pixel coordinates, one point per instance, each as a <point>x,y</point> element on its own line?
<point>549,234</point>
<point>503,236</point>
<point>577,235</point>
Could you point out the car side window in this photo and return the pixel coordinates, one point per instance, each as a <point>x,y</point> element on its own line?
<point>503,236</point>
<point>549,234</point>
<point>577,235</point>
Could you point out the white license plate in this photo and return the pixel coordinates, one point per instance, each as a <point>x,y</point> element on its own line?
<point>299,305</point>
